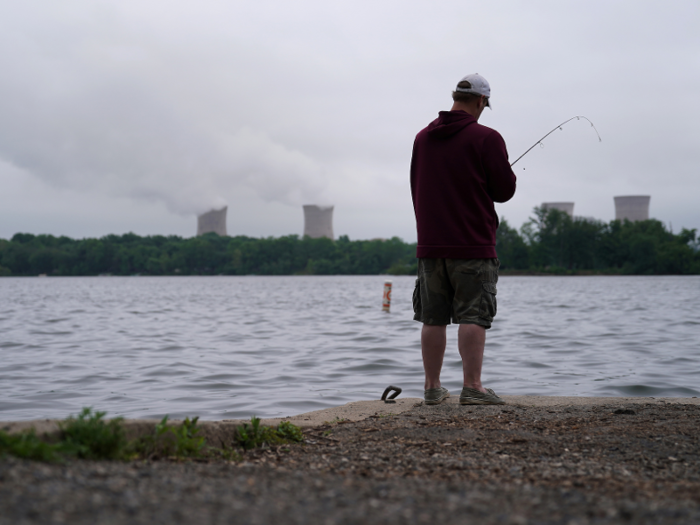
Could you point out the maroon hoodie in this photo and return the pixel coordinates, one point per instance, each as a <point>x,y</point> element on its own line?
<point>459,169</point>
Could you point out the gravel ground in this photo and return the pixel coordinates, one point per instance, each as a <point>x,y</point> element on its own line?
<point>448,464</point>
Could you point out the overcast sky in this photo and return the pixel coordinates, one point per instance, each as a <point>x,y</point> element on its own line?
<point>120,116</point>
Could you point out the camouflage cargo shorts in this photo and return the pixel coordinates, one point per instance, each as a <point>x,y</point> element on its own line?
<point>460,290</point>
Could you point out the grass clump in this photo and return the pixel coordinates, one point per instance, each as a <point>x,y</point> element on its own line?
<point>28,446</point>
<point>89,436</point>
<point>187,443</point>
<point>170,440</point>
<point>290,432</point>
<point>255,435</point>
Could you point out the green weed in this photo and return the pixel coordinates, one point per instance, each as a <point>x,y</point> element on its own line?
<point>28,446</point>
<point>169,440</point>
<point>88,436</point>
<point>187,443</point>
<point>255,435</point>
<point>290,432</point>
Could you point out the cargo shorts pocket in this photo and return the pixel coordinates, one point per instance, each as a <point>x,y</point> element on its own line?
<point>488,306</point>
<point>416,298</point>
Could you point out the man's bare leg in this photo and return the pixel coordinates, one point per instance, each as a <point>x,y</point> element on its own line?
<point>433,340</point>
<point>471,339</point>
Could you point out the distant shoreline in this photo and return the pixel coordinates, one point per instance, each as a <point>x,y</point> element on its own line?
<point>501,273</point>
<point>553,246</point>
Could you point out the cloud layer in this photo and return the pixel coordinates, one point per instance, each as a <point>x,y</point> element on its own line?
<point>270,105</point>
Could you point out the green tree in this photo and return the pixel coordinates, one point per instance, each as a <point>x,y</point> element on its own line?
<point>550,241</point>
<point>512,250</point>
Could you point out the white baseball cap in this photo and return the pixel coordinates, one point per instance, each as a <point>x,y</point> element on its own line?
<point>480,86</point>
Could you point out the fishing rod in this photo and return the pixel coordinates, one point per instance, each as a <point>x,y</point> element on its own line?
<point>578,117</point>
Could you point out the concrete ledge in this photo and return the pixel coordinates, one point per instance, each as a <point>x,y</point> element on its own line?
<point>220,433</point>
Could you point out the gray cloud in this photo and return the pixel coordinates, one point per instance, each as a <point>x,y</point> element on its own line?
<point>269,105</point>
<point>101,114</point>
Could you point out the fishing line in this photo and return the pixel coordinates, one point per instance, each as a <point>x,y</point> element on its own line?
<point>559,127</point>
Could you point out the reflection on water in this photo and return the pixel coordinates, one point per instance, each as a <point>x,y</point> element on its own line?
<point>230,347</point>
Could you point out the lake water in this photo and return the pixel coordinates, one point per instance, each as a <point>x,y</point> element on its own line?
<point>232,347</point>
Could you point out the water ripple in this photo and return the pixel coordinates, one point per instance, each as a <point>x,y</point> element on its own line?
<point>231,347</point>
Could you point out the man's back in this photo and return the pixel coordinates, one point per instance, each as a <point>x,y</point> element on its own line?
<point>459,168</point>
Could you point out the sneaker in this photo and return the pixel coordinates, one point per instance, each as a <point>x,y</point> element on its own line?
<point>435,396</point>
<point>471,396</point>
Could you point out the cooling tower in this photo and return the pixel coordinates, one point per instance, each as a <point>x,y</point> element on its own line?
<point>632,208</point>
<point>567,207</point>
<point>212,221</point>
<point>318,221</point>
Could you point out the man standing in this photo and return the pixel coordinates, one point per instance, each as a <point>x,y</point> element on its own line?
<point>459,168</point>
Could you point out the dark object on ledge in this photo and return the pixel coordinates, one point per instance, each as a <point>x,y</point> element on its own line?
<point>391,398</point>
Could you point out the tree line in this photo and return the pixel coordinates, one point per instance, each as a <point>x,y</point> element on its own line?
<point>554,242</point>
<point>550,242</point>
<point>209,254</point>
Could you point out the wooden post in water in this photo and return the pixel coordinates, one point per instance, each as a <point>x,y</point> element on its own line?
<point>386,298</point>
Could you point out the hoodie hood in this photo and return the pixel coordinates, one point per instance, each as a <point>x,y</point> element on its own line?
<point>450,122</point>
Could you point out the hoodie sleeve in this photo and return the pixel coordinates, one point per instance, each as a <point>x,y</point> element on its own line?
<point>501,179</point>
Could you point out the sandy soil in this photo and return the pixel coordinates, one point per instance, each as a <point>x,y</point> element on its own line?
<point>559,463</point>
